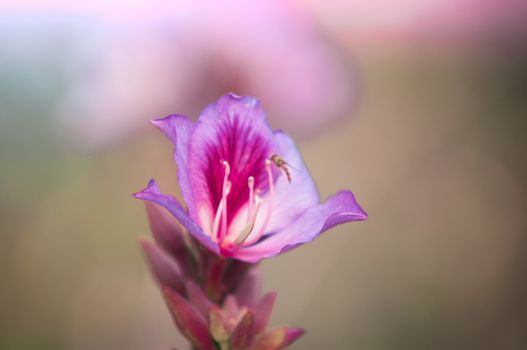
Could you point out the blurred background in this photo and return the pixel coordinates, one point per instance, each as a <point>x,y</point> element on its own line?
<point>419,107</point>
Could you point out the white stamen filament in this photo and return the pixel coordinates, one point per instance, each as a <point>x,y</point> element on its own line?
<point>250,183</point>
<point>242,237</point>
<point>221,211</point>
<point>226,190</point>
<point>216,223</point>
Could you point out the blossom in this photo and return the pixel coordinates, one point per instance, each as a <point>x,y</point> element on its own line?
<point>240,203</point>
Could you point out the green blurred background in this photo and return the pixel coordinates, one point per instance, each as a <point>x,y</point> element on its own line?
<point>434,150</point>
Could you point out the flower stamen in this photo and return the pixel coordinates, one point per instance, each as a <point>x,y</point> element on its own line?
<point>269,211</point>
<point>226,190</point>
<point>233,241</point>
<point>250,183</point>
<point>221,211</point>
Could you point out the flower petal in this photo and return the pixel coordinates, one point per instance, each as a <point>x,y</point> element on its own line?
<point>234,130</point>
<point>188,320</point>
<point>165,269</point>
<point>153,194</point>
<point>178,129</point>
<point>338,209</point>
<point>291,199</point>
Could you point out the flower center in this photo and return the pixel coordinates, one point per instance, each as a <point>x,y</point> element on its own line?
<point>251,232</point>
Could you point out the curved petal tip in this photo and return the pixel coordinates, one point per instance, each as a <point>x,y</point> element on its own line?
<point>151,188</point>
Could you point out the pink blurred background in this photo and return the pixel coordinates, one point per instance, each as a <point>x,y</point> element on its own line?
<point>417,106</point>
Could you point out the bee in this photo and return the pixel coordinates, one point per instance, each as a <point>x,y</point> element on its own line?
<point>281,164</point>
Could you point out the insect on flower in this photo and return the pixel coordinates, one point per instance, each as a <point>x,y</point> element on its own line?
<point>282,165</point>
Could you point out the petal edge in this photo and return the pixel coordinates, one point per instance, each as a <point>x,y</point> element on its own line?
<point>153,194</point>
<point>339,208</point>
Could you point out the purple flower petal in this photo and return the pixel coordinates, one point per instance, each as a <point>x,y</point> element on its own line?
<point>153,194</point>
<point>178,129</point>
<point>234,130</point>
<point>291,199</point>
<point>165,269</point>
<point>338,209</point>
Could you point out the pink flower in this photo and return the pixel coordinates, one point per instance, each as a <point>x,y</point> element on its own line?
<point>249,194</point>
